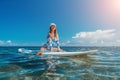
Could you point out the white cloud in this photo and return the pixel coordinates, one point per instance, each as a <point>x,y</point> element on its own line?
<point>62,44</point>
<point>6,43</point>
<point>118,41</point>
<point>96,38</point>
<point>9,42</point>
<point>98,34</point>
<point>1,42</point>
<point>68,41</point>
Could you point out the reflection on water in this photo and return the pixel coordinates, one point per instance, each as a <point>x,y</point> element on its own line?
<point>105,65</point>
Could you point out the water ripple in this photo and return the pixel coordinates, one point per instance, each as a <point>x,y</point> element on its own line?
<point>105,65</point>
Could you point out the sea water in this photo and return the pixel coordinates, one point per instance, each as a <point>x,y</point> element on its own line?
<point>104,65</point>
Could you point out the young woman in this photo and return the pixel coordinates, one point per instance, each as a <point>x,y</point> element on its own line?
<point>52,41</point>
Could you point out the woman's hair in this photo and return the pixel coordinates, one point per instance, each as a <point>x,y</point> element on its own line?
<point>51,27</point>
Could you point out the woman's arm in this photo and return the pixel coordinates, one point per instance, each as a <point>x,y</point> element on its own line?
<point>57,36</point>
<point>49,36</point>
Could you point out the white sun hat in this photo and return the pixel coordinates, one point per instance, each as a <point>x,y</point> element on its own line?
<point>53,24</point>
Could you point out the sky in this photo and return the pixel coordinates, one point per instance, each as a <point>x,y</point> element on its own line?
<point>79,22</point>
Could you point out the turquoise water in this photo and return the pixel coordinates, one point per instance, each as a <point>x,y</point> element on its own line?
<point>105,65</point>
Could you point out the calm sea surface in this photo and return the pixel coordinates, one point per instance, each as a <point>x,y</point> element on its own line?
<point>104,65</point>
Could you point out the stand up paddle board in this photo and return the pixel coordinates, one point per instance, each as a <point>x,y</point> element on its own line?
<point>70,53</point>
<point>24,51</point>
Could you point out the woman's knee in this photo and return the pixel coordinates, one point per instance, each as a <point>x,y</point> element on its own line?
<point>42,48</point>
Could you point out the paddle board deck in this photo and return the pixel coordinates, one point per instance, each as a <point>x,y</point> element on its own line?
<point>70,53</point>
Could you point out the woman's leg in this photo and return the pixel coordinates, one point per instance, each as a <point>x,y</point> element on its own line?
<point>41,49</point>
<point>54,49</point>
<point>58,45</point>
<point>50,45</point>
